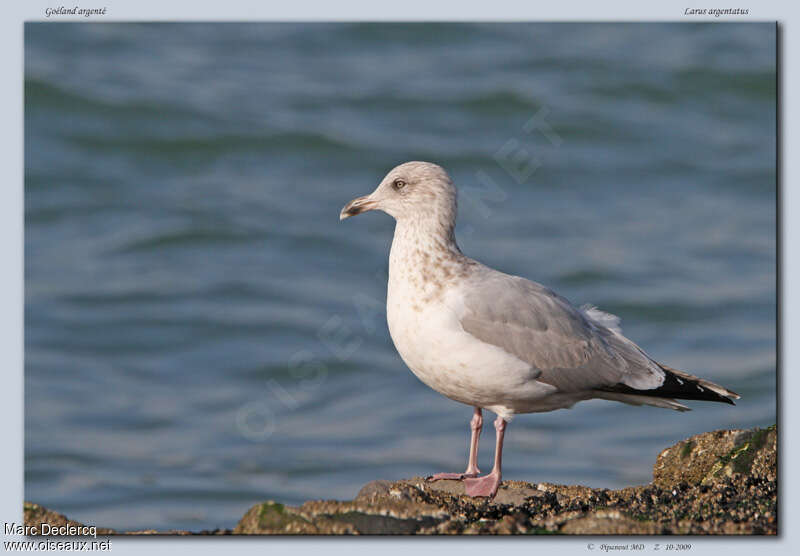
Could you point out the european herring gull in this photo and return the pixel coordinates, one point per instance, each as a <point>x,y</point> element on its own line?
<point>496,341</point>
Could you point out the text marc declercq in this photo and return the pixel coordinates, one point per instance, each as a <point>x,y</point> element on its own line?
<point>47,529</point>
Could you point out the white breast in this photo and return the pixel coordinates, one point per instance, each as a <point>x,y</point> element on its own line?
<point>425,328</point>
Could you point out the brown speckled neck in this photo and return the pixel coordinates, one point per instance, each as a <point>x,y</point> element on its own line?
<point>425,256</point>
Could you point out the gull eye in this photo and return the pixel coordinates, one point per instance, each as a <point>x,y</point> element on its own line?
<point>398,184</point>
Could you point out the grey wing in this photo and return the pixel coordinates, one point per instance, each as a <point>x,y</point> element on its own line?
<point>576,350</point>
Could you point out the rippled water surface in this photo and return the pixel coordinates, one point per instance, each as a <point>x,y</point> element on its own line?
<point>202,333</point>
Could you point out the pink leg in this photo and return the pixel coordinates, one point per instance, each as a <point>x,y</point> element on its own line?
<point>488,484</point>
<point>472,467</point>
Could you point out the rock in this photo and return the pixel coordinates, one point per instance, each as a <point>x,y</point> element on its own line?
<point>381,508</point>
<point>722,482</point>
<point>704,457</point>
<point>608,523</point>
<point>35,516</point>
<point>374,489</point>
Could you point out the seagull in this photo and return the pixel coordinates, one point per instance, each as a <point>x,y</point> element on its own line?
<point>500,342</point>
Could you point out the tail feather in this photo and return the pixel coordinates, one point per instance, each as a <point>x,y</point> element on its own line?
<point>683,386</point>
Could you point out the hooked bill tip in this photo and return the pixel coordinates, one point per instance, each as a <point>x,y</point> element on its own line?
<point>348,211</point>
<point>356,206</point>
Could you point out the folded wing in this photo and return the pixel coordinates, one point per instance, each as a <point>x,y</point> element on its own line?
<point>575,350</point>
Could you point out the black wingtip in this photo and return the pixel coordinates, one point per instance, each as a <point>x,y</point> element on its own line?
<point>682,386</point>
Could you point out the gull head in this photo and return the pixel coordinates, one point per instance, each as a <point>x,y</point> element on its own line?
<point>411,190</point>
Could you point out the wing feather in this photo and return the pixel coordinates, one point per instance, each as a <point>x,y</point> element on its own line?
<point>574,349</point>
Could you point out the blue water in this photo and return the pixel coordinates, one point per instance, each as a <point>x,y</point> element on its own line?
<point>202,333</point>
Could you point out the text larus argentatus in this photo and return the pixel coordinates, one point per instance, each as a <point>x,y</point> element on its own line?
<point>496,341</point>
